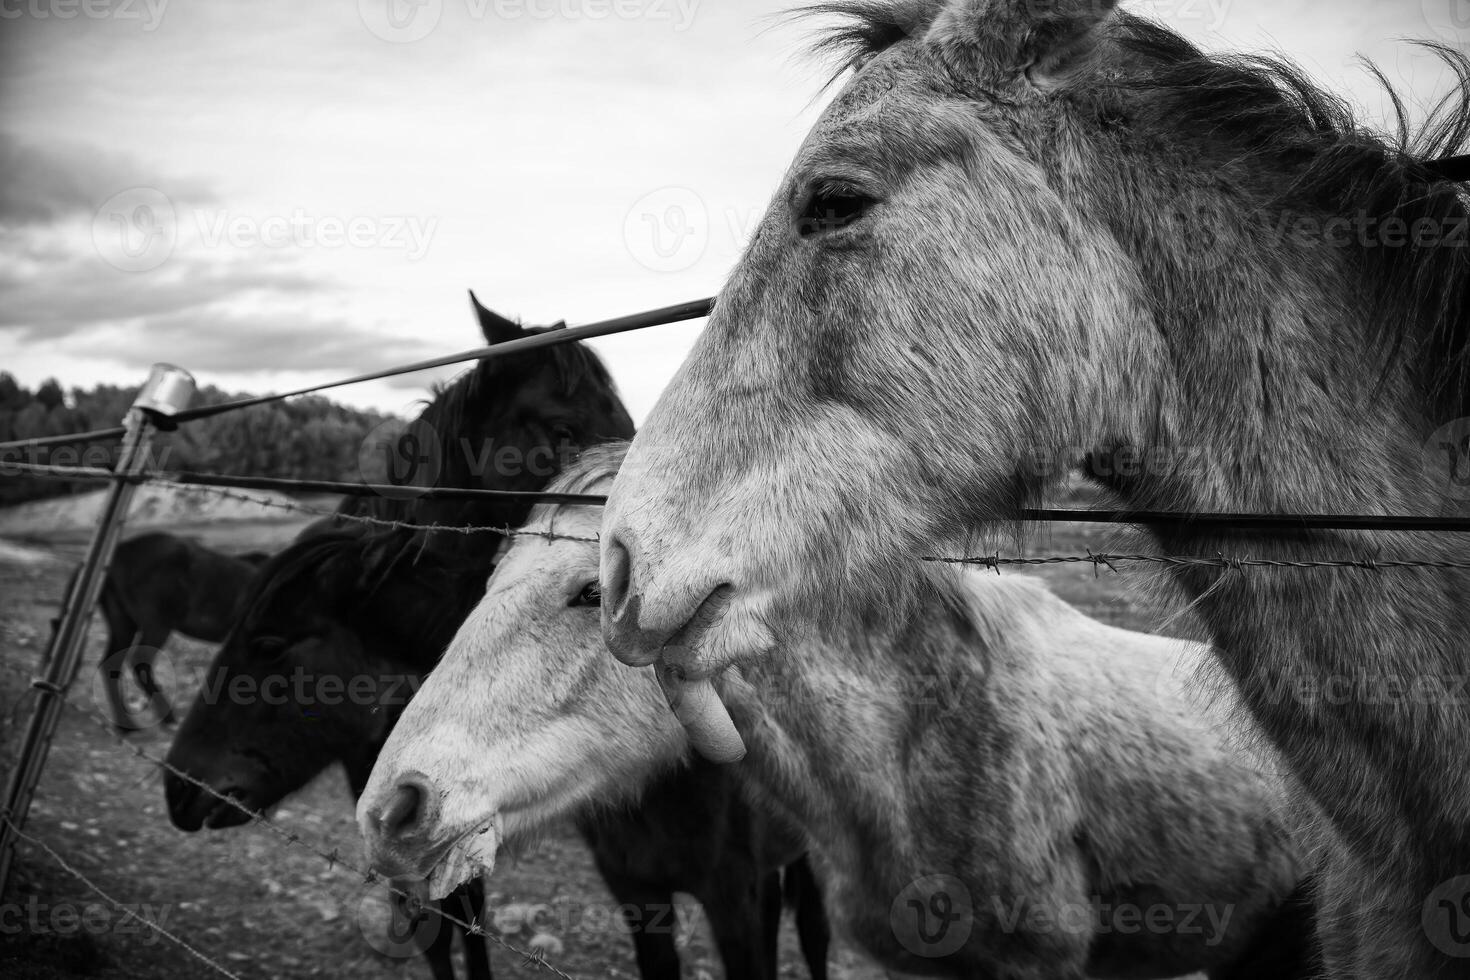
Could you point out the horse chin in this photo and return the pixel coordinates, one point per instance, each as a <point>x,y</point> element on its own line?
<point>193,809</point>
<point>472,854</point>
<point>223,815</point>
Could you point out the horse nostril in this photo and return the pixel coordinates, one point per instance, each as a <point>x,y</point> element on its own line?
<point>622,633</point>
<point>411,809</point>
<point>616,571</point>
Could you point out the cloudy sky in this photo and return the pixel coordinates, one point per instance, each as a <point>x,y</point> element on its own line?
<point>275,192</point>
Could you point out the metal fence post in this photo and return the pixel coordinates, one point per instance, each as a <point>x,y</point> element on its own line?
<point>167,391</point>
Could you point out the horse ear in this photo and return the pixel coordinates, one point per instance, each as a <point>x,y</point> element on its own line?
<point>1046,42</point>
<point>496,328</point>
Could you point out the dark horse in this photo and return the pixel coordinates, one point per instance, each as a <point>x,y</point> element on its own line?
<point>340,628</point>
<point>159,584</point>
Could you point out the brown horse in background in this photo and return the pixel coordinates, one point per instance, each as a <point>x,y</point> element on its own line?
<point>159,584</point>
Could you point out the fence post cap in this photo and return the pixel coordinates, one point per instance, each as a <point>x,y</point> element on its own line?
<point>168,391</point>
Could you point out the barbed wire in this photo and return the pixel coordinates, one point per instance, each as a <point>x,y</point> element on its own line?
<point>1101,560</point>
<point>388,491</point>
<point>119,906</point>
<point>506,531</point>
<point>46,471</point>
<point>333,858</point>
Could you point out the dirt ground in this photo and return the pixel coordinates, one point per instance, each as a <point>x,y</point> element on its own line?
<point>241,897</point>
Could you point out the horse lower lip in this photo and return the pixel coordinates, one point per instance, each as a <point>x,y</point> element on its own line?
<point>222,813</point>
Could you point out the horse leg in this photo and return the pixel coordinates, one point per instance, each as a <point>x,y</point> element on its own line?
<point>116,660</point>
<point>769,895</point>
<point>144,659</point>
<point>440,951</point>
<point>649,913</point>
<point>122,641</point>
<point>804,895</point>
<point>476,956</point>
<point>737,907</point>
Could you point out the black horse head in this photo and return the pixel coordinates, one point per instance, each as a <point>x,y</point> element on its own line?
<point>510,423</point>
<point>345,606</point>
<point>337,632</point>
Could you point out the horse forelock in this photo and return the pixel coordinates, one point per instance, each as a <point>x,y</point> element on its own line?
<point>592,472</point>
<point>864,28</point>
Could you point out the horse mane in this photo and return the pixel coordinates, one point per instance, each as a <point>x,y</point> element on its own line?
<point>1295,147</point>
<point>594,466</point>
<point>287,566</point>
<point>283,572</point>
<point>1313,156</point>
<point>864,28</point>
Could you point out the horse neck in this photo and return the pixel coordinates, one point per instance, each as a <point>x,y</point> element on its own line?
<point>1252,357</point>
<point>1265,374</point>
<point>1263,387</point>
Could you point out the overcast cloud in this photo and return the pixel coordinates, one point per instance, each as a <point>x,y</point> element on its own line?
<point>272,192</point>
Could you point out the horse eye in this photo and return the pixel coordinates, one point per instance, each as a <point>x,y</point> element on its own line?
<point>268,647</point>
<point>830,207</point>
<point>591,595</point>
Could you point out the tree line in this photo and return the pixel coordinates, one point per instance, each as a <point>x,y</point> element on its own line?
<point>309,437</point>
